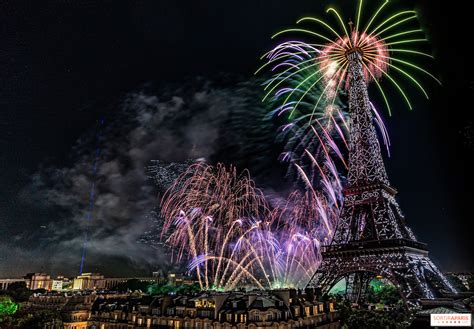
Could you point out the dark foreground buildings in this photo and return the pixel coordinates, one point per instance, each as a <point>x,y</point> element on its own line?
<point>281,309</point>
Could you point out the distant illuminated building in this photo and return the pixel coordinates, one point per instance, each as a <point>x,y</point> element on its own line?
<point>175,279</point>
<point>5,283</point>
<point>89,281</point>
<point>38,281</point>
<point>57,285</point>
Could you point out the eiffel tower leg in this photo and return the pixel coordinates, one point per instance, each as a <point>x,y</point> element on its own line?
<point>350,282</point>
<point>356,286</point>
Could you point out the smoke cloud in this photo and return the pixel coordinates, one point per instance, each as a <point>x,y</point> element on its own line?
<point>201,119</point>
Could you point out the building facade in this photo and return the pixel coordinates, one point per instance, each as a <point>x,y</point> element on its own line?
<point>282,309</point>
<point>88,281</point>
<point>96,281</point>
<point>5,283</point>
<point>38,280</point>
<point>74,309</point>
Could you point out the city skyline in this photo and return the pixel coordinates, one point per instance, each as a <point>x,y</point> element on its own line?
<point>50,133</point>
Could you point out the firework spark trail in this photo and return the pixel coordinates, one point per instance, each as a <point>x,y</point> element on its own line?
<point>216,206</point>
<point>375,43</point>
<point>318,69</point>
<point>298,256</point>
<point>220,222</point>
<point>383,129</point>
<point>318,122</point>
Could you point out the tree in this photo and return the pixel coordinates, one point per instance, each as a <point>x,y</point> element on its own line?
<point>160,289</point>
<point>132,285</point>
<point>18,292</point>
<point>164,289</point>
<point>389,295</point>
<point>188,289</point>
<point>457,283</point>
<point>396,318</point>
<point>386,294</point>
<point>27,320</point>
<point>7,307</point>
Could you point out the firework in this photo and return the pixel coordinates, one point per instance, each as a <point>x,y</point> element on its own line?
<point>207,210</point>
<point>300,226</point>
<point>165,174</point>
<point>310,79</point>
<point>219,222</point>
<point>382,44</point>
<point>315,134</point>
<point>309,125</point>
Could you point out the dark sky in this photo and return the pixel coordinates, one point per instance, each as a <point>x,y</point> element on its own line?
<point>64,64</point>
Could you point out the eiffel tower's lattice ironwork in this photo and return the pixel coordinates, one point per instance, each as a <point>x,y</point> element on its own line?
<point>371,239</point>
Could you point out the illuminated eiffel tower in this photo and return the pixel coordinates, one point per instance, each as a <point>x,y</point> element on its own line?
<point>371,239</point>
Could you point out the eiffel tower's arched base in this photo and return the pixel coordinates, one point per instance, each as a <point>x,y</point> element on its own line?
<point>404,263</point>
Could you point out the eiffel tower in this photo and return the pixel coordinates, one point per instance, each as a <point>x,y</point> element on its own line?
<point>371,239</point>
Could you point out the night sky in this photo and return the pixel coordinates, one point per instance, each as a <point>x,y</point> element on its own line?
<point>65,65</point>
